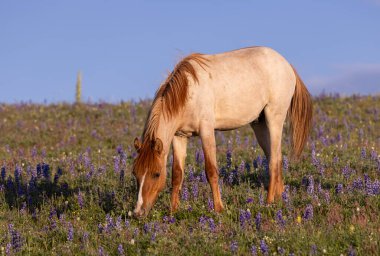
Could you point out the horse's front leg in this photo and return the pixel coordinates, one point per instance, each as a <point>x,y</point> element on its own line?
<point>179,155</point>
<point>207,135</point>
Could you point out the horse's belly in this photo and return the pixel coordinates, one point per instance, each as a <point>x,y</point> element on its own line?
<point>232,118</point>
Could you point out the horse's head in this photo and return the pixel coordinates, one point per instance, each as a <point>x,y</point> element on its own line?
<point>150,172</point>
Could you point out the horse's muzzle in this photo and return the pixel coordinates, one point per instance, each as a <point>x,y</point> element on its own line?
<point>139,214</point>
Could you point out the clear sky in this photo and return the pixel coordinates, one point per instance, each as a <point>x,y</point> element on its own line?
<point>125,48</point>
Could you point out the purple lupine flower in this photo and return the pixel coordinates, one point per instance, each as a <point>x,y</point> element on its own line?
<point>203,177</point>
<point>253,250</point>
<point>85,237</point>
<point>258,221</point>
<point>308,214</point>
<point>46,171</point>
<point>100,228</point>
<point>199,157</point>
<point>339,188</point>
<point>313,250</point>
<point>285,163</point>
<point>285,195</point>
<point>280,219</point>
<point>346,172</point>
<point>117,164</point>
<point>202,222</point>
<point>70,233</point>
<point>191,174</point>
<point>241,167</point>
<point>121,176</point>
<point>264,247</point>
<point>34,152</point>
<point>195,190</point>
<point>118,223</point>
<point>210,204</point>
<point>261,199</point>
<point>8,249</point>
<point>16,241</point>
<point>249,200</point>
<point>229,159</point>
<point>211,224</point>
<point>52,217</point>
<point>80,200</point>
<point>234,246</point>
<point>3,173</point>
<point>281,250</point>
<point>185,194</point>
<point>120,250</point>
<point>376,187</point>
<point>363,153</point>
<point>310,185</point>
<point>101,251</point>
<point>146,228</point>
<point>373,155</point>
<point>358,184</point>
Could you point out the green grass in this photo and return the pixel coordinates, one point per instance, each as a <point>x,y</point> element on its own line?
<point>82,141</point>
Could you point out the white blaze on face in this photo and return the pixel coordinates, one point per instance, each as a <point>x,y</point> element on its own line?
<point>140,198</point>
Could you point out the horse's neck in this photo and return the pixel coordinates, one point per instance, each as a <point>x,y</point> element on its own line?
<point>165,131</point>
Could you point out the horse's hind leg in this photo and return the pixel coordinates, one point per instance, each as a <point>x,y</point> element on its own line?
<point>179,155</point>
<point>268,133</point>
<point>207,135</point>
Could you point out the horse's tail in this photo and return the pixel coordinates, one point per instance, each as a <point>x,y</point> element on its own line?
<point>300,113</point>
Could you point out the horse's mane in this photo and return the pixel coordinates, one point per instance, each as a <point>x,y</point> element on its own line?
<point>172,95</point>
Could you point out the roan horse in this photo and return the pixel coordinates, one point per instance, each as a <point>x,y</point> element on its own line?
<point>225,91</point>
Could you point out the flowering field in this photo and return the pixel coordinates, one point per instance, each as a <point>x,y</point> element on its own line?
<point>66,186</point>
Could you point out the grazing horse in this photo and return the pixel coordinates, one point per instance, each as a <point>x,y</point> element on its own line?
<point>225,91</point>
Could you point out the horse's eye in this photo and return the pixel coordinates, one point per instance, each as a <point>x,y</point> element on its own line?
<point>156,175</point>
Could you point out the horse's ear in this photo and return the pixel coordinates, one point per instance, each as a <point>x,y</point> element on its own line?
<point>157,145</point>
<point>137,144</point>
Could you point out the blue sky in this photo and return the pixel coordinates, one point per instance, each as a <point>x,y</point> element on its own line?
<point>125,48</point>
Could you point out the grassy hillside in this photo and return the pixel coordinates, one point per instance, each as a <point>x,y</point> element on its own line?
<point>66,186</point>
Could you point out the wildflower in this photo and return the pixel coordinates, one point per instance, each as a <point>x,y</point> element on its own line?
<point>3,173</point>
<point>234,247</point>
<point>261,199</point>
<point>310,186</point>
<point>199,157</point>
<point>258,221</point>
<point>122,175</point>
<point>346,172</point>
<point>211,224</point>
<point>339,188</point>
<point>285,163</point>
<point>363,153</point>
<point>117,164</point>
<point>313,250</point>
<point>195,190</point>
<point>249,200</point>
<point>281,250</point>
<point>80,200</point>
<point>132,242</point>
<point>308,214</point>
<point>264,247</point>
<point>120,249</point>
<point>280,219</point>
<point>229,158</point>
<point>210,204</point>
<point>16,242</point>
<point>253,250</point>
<point>70,233</point>
<point>298,219</point>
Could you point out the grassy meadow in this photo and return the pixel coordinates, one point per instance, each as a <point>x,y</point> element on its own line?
<point>66,186</point>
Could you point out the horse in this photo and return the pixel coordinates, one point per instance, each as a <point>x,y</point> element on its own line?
<point>224,91</point>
